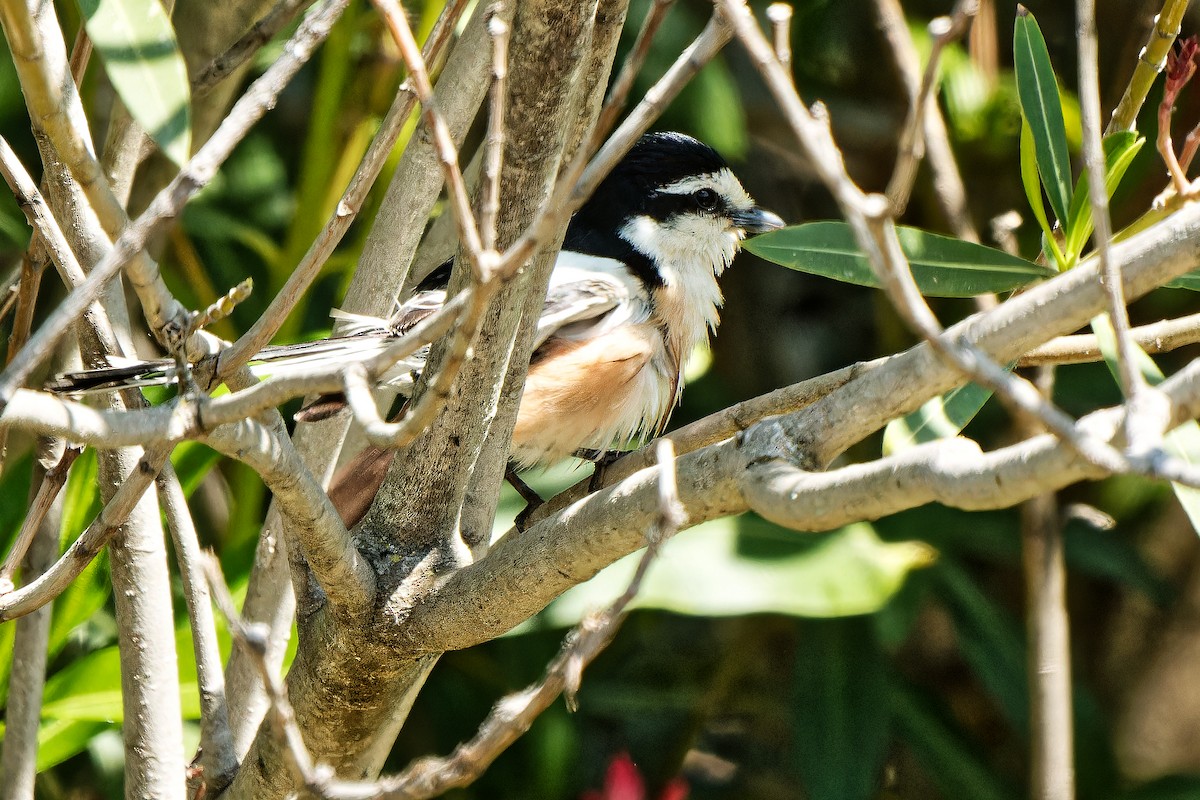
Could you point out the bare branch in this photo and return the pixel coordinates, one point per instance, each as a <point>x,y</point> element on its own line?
<point>58,577</point>
<point>1139,432</point>
<point>500,32</point>
<point>217,758</point>
<point>780,17</point>
<point>250,640</point>
<point>1150,62</point>
<point>166,206</point>
<point>57,113</point>
<point>618,96</point>
<point>319,535</point>
<point>22,717</point>
<point>1048,633</point>
<point>251,42</point>
<point>141,583</point>
<point>460,201</point>
<point>1157,337</point>
<point>52,483</point>
<point>267,325</point>
<point>512,716</point>
<point>924,128</point>
<point>386,265</point>
<point>426,406</point>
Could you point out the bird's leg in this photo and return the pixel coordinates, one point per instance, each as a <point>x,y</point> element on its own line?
<point>601,458</point>
<point>532,499</point>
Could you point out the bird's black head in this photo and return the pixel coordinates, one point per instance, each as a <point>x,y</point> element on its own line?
<point>671,204</point>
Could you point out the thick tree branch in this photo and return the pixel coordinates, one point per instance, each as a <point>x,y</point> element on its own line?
<point>535,566</point>
<point>18,763</point>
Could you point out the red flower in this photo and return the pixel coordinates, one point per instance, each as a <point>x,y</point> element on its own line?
<point>624,782</point>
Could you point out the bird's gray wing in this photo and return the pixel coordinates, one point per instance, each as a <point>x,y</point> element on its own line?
<point>587,296</point>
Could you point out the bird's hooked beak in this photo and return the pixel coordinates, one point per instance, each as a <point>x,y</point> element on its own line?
<point>757,220</point>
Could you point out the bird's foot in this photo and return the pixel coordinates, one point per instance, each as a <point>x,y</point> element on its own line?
<point>533,500</point>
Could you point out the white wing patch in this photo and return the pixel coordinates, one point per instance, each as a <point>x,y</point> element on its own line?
<point>589,296</point>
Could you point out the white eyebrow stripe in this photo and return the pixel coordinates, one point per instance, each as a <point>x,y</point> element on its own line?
<point>687,185</point>
<point>723,181</point>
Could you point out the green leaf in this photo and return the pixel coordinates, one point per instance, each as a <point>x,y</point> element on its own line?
<point>89,688</point>
<point>1188,280</point>
<point>88,593</point>
<point>1041,106</point>
<point>940,418</point>
<point>143,61</point>
<point>989,639</point>
<point>1033,193</point>
<point>1183,441</point>
<point>949,759</point>
<point>60,739</point>
<point>193,461</point>
<point>941,266</point>
<point>1030,180</point>
<point>760,568</point>
<point>841,718</point>
<point>1119,151</point>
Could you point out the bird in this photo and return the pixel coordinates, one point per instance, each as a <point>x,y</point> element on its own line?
<point>633,291</point>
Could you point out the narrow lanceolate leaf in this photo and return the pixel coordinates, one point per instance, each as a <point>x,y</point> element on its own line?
<point>1030,180</point>
<point>142,59</point>
<point>1119,151</point>
<point>1042,108</point>
<point>941,266</point>
<point>940,418</point>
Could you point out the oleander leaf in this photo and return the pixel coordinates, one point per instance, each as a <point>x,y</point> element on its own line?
<point>142,59</point>
<point>1119,151</point>
<point>1041,105</point>
<point>941,266</point>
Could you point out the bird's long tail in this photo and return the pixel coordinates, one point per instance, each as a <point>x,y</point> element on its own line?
<point>288,359</point>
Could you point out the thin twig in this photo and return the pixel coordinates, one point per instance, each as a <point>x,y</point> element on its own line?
<point>251,42</point>
<point>22,714</point>
<point>618,95</point>
<point>59,576</point>
<point>1150,62</point>
<point>780,17</point>
<point>217,759</point>
<point>250,639</point>
<point>300,278</point>
<point>25,295</point>
<point>460,201</point>
<point>513,715</point>
<point>39,215</point>
<point>923,116</point>
<point>52,483</point>
<point>1052,774</point>
<point>423,409</point>
<point>493,158</point>
<point>166,206</point>
<point>1156,337</point>
<point>1143,433</point>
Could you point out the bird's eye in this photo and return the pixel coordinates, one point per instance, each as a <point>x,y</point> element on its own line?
<point>706,199</point>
